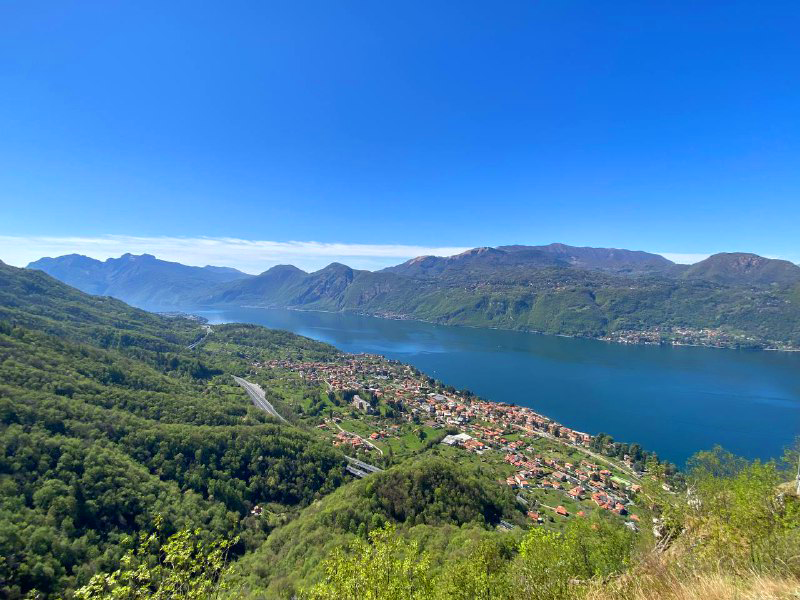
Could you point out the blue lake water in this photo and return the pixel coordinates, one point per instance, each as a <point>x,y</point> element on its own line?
<point>674,400</point>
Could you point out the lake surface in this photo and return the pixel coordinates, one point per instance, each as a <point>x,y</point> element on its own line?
<point>673,400</point>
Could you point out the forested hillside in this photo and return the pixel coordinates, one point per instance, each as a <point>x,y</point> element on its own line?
<point>107,421</point>
<point>443,504</point>
<point>729,299</point>
<point>547,299</point>
<point>132,466</point>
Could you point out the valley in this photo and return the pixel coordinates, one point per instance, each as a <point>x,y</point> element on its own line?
<point>730,300</point>
<point>116,422</point>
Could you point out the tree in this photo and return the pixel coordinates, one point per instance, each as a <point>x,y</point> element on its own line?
<point>186,568</point>
<point>542,569</point>
<point>482,575</point>
<point>384,568</point>
<point>549,562</point>
<point>744,519</point>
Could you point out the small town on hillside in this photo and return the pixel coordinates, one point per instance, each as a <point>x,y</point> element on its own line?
<point>687,336</point>
<point>372,387</point>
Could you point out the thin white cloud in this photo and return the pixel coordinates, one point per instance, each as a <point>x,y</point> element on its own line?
<point>251,256</point>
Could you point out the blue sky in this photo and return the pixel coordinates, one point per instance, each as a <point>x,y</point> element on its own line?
<point>382,129</point>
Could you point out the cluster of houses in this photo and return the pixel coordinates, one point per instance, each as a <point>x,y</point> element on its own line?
<point>464,440</point>
<point>348,440</point>
<point>489,421</point>
<point>481,425</point>
<point>402,386</point>
<point>679,336</point>
<point>576,481</point>
<point>357,371</point>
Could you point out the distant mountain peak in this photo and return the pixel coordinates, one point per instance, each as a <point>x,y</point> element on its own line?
<point>420,259</point>
<point>283,268</point>
<point>744,268</point>
<point>142,280</point>
<point>744,261</point>
<point>477,252</point>
<point>550,256</point>
<point>335,267</point>
<point>67,257</point>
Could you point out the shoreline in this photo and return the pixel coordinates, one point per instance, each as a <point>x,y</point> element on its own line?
<point>529,331</point>
<point>538,403</point>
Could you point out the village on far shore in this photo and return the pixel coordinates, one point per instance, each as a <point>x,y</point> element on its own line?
<point>378,410</point>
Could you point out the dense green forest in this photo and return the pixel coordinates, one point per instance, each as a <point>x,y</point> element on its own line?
<point>108,421</point>
<point>737,537</point>
<point>446,505</point>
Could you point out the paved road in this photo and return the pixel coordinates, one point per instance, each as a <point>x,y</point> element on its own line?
<point>355,466</point>
<point>257,396</point>
<point>361,465</point>
<point>614,464</point>
<point>356,471</point>
<point>193,345</point>
<point>363,439</point>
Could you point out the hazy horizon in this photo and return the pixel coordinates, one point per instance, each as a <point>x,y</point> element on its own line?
<point>249,256</point>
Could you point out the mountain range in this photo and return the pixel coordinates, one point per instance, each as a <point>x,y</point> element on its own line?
<point>611,260</point>
<point>744,298</point>
<point>128,445</point>
<point>143,281</point>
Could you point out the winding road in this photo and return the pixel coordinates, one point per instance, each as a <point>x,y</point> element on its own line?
<point>256,394</point>
<point>194,345</point>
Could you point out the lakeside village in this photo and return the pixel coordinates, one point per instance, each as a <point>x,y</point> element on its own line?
<point>686,336</point>
<point>581,480</point>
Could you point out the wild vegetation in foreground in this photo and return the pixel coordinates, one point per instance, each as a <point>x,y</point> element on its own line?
<point>749,550</point>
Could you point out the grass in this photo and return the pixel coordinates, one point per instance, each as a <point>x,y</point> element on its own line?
<point>662,578</point>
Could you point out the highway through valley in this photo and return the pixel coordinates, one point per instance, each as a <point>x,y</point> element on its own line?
<point>354,466</point>
<point>259,399</point>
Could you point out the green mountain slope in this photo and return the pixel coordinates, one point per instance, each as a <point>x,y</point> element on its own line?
<point>107,420</point>
<point>726,300</point>
<point>554,300</point>
<point>431,498</point>
<point>603,259</point>
<point>744,269</point>
<point>489,260</point>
